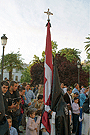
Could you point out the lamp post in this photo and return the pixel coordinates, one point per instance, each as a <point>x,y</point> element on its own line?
<point>3,42</point>
<point>78,66</point>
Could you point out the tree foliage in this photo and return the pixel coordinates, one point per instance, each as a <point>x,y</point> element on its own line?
<point>68,72</point>
<point>37,73</point>
<point>26,76</point>
<point>66,63</point>
<point>54,47</point>
<point>70,54</point>
<point>12,61</point>
<point>35,59</point>
<point>87,48</point>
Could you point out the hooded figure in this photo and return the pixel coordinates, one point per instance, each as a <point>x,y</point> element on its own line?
<point>4,128</point>
<point>58,105</point>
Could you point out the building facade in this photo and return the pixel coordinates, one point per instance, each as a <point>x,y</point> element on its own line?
<point>16,75</point>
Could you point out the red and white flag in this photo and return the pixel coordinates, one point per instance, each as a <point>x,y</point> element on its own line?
<point>48,77</point>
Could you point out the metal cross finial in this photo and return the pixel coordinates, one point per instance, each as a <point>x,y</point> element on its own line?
<point>48,13</point>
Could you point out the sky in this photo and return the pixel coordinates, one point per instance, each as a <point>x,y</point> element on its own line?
<point>23,22</point>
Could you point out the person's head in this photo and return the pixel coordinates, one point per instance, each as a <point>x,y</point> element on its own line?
<point>76,94</point>
<point>24,85</point>
<point>76,100</point>
<point>31,113</point>
<point>69,90</point>
<point>17,84</point>
<point>9,119</point>
<point>36,86</point>
<point>40,85</point>
<point>22,91</point>
<point>28,87</point>
<point>4,86</point>
<point>13,85</point>
<point>40,98</point>
<point>5,78</point>
<point>76,85</point>
<point>39,112</point>
<point>82,86</point>
<point>62,85</point>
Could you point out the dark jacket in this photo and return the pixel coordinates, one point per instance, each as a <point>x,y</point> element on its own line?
<point>5,103</point>
<point>3,121</point>
<point>85,107</point>
<point>67,100</point>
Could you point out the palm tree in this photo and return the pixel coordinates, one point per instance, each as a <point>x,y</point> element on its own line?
<point>70,54</point>
<point>87,47</point>
<point>12,61</point>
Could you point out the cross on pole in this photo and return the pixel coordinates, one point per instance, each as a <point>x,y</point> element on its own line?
<point>48,13</point>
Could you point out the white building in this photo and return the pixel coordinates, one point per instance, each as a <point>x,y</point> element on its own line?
<point>16,75</point>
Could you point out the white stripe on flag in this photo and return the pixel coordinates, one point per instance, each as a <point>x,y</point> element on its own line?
<point>48,76</point>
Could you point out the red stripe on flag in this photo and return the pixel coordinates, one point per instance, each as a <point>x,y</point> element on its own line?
<point>48,51</point>
<point>46,122</point>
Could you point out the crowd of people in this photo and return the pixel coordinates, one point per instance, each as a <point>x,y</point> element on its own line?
<point>21,103</point>
<point>24,105</point>
<point>78,105</point>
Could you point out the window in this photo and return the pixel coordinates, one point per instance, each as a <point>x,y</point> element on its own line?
<point>16,78</point>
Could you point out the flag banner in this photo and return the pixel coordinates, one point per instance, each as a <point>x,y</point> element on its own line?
<point>48,77</point>
<point>62,122</point>
<point>48,68</point>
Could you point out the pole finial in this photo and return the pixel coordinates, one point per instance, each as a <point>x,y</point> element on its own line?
<point>48,13</point>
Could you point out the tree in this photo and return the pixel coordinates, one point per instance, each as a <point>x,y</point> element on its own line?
<point>70,54</point>
<point>54,48</point>
<point>26,76</point>
<point>68,72</point>
<point>66,63</point>
<point>37,73</point>
<point>36,59</point>
<point>87,48</point>
<point>12,61</point>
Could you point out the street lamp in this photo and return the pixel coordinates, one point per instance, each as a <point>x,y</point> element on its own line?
<point>3,42</point>
<point>78,66</point>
